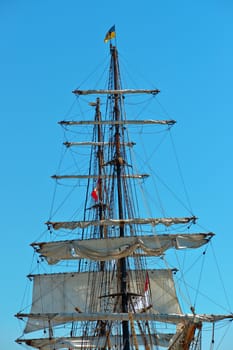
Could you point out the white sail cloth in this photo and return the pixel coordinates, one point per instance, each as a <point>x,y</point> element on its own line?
<point>71,225</point>
<point>67,292</point>
<point>165,318</point>
<point>157,339</point>
<point>117,248</point>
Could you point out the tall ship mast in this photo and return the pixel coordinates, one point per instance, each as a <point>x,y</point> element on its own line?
<point>113,287</point>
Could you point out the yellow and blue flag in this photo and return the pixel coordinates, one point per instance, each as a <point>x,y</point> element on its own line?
<point>110,34</point>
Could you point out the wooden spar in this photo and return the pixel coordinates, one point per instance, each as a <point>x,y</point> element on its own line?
<point>117,122</point>
<point>127,176</point>
<point>92,143</point>
<point>92,317</point>
<point>116,91</point>
<point>135,341</point>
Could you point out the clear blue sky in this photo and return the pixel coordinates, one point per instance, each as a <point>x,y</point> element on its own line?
<point>184,47</point>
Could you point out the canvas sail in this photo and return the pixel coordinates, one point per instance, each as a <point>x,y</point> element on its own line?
<point>67,292</point>
<point>118,222</point>
<point>158,339</point>
<point>118,247</point>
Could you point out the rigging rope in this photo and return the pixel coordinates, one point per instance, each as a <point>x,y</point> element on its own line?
<point>180,173</point>
<point>212,340</point>
<point>220,277</point>
<point>200,275</point>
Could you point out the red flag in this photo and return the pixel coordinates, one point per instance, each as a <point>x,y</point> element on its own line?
<point>94,194</point>
<point>146,290</point>
<point>146,285</point>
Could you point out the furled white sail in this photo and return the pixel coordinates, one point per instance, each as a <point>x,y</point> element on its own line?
<point>158,339</point>
<point>66,292</point>
<point>118,222</point>
<point>54,318</point>
<point>93,143</point>
<point>117,122</point>
<point>118,247</point>
<point>117,91</point>
<point>91,176</point>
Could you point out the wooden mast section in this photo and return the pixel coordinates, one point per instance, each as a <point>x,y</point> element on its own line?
<point>122,262</point>
<point>100,165</point>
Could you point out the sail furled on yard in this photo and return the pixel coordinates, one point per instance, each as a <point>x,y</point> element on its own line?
<point>118,247</point>
<point>92,342</point>
<point>67,292</point>
<point>58,318</point>
<point>119,222</point>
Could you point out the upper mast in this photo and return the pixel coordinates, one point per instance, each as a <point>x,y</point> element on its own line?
<point>122,262</point>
